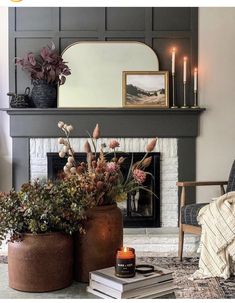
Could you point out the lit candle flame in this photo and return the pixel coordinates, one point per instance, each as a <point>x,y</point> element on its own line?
<point>125,249</point>
<point>185,58</point>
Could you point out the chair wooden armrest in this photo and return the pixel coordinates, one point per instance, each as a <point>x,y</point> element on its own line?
<point>200,183</point>
<point>185,184</point>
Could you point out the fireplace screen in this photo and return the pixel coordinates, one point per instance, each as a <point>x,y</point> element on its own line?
<point>141,209</point>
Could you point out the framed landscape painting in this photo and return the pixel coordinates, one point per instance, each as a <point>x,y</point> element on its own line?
<point>145,89</point>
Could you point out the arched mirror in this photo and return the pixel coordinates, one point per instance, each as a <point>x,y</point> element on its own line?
<point>97,68</point>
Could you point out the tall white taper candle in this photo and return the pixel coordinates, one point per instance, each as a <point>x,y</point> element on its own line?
<point>173,61</point>
<point>185,70</point>
<point>195,79</point>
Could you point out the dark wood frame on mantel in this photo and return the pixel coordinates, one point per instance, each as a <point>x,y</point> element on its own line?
<point>182,124</point>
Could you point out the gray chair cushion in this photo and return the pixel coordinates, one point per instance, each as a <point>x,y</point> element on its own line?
<point>231,179</point>
<point>189,213</point>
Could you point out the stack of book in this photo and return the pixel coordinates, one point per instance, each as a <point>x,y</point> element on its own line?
<point>104,284</point>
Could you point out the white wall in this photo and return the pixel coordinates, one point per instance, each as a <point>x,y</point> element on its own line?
<point>216,143</point>
<point>5,140</point>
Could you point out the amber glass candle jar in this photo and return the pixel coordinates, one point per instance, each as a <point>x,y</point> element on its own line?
<point>125,263</point>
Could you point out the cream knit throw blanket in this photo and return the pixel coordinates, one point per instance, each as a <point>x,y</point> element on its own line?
<point>217,244</point>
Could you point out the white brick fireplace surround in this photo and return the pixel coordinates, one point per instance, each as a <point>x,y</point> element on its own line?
<point>163,240</point>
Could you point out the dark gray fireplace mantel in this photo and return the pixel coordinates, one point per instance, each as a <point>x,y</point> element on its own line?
<point>120,122</point>
<point>182,124</point>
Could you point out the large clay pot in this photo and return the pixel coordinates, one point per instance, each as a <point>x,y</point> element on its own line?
<point>97,248</point>
<point>42,262</point>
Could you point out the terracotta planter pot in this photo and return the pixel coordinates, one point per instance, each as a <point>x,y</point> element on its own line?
<point>97,248</point>
<point>40,263</point>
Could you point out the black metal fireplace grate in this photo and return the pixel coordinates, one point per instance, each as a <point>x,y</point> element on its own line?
<point>141,209</point>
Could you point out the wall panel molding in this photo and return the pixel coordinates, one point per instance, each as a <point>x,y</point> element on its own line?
<point>159,27</point>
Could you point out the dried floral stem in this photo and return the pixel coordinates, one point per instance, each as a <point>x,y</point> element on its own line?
<point>141,161</point>
<point>69,145</point>
<point>93,142</point>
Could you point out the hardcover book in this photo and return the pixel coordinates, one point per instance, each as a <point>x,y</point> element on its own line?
<point>107,277</point>
<point>149,296</point>
<point>133,293</point>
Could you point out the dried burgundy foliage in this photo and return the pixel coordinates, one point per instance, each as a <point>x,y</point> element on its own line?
<point>48,65</point>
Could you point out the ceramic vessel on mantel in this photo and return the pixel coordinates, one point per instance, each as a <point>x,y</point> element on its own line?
<point>44,95</point>
<point>97,248</point>
<point>41,262</point>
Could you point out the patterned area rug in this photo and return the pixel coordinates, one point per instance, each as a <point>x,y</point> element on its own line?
<point>213,288</point>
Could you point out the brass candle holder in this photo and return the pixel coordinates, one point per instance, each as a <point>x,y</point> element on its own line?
<point>195,105</point>
<point>185,105</point>
<point>173,91</point>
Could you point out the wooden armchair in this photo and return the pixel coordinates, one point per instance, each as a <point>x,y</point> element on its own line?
<point>188,212</point>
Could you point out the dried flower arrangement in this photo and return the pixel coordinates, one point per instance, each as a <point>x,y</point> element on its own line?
<point>41,207</point>
<point>48,65</point>
<point>98,180</point>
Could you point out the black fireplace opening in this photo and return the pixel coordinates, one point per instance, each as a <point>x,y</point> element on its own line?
<point>142,208</point>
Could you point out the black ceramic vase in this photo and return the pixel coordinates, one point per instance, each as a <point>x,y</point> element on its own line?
<point>44,95</point>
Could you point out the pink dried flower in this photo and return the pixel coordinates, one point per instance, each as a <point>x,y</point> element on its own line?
<point>151,145</point>
<point>96,132</point>
<point>87,147</point>
<point>114,144</point>
<point>111,167</point>
<point>121,160</point>
<point>139,175</point>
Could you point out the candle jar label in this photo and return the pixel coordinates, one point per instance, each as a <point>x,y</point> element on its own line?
<point>125,268</point>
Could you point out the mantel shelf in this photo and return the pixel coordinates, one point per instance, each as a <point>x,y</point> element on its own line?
<point>103,111</point>
<point>114,122</point>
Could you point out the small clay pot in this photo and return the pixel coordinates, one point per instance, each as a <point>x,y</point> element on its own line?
<point>41,262</point>
<point>98,247</point>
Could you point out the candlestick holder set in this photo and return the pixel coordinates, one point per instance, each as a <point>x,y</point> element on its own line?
<point>195,104</point>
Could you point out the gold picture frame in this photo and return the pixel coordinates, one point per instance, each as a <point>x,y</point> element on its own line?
<point>145,89</point>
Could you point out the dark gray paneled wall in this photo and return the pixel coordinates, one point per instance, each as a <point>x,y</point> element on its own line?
<point>160,28</point>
